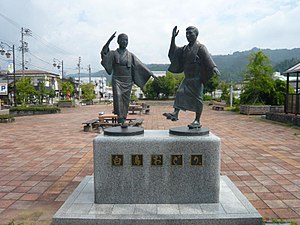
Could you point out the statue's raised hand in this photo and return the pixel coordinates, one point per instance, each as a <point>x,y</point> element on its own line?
<point>175,32</point>
<point>112,37</point>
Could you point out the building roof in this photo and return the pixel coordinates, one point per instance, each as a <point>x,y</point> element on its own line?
<point>294,69</point>
<point>31,72</point>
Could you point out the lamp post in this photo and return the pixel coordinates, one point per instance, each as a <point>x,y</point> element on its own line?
<point>8,54</point>
<point>58,65</point>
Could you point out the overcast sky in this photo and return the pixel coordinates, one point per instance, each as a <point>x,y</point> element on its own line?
<point>67,29</point>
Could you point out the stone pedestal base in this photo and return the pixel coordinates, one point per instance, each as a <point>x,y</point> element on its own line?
<point>233,209</point>
<point>157,168</point>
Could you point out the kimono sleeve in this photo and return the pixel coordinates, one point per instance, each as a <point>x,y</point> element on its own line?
<point>107,60</point>
<point>207,64</point>
<point>140,73</point>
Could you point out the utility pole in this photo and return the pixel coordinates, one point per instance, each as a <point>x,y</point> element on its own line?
<point>79,90</point>
<point>24,46</point>
<point>90,74</point>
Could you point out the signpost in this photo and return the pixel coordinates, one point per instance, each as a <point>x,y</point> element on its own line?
<point>3,89</point>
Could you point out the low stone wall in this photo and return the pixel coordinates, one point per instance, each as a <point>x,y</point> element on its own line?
<point>67,104</point>
<point>284,118</point>
<point>260,109</point>
<point>7,120</point>
<point>254,109</point>
<point>4,111</point>
<point>30,113</point>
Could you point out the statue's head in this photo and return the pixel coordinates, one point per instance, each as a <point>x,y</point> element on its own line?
<point>123,41</point>
<point>191,34</point>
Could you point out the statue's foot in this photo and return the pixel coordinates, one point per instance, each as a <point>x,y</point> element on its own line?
<point>195,125</point>
<point>167,115</point>
<point>171,116</point>
<point>124,125</point>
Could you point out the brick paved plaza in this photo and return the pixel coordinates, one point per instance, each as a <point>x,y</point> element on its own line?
<point>44,158</point>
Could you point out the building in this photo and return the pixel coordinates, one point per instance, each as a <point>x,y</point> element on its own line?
<point>51,81</point>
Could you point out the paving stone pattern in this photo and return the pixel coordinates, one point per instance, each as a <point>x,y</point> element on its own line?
<point>43,159</point>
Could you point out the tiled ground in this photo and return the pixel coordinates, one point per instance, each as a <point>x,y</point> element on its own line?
<point>43,159</point>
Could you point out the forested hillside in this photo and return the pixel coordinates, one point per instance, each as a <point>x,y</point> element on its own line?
<point>231,66</point>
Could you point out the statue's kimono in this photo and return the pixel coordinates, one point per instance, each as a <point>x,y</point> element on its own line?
<point>126,69</point>
<point>197,65</point>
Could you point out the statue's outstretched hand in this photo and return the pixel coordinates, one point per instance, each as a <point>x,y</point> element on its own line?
<point>175,32</point>
<point>155,77</point>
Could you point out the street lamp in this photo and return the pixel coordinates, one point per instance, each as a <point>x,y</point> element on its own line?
<point>8,54</point>
<point>59,63</point>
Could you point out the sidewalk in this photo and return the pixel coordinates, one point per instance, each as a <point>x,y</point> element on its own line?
<point>44,158</point>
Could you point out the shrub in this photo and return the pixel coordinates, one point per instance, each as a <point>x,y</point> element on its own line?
<point>39,108</point>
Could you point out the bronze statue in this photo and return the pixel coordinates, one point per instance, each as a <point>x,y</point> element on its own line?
<point>126,69</point>
<point>198,67</point>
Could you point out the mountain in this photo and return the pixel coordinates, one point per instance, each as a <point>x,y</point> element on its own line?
<point>231,66</point>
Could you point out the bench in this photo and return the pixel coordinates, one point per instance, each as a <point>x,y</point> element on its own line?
<point>147,109</point>
<point>88,125</point>
<point>219,106</point>
<point>135,108</point>
<point>136,123</point>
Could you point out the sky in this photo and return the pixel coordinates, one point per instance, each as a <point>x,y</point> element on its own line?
<point>69,29</point>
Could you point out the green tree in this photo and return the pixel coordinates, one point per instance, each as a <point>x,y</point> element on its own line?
<point>25,90</point>
<point>167,85</point>
<point>224,86</point>
<point>133,97</point>
<point>259,84</point>
<point>88,93</point>
<point>212,84</point>
<point>67,88</point>
<point>42,93</point>
<point>148,89</point>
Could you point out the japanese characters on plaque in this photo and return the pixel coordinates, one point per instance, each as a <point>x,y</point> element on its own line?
<point>157,160</point>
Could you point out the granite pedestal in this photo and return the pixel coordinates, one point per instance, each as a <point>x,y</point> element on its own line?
<point>157,168</point>
<point>157,179</point>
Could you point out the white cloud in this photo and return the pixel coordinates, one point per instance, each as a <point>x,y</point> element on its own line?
<point>81,28</point>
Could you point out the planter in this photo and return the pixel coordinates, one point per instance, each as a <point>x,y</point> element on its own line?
<point>65,104</point>
<point>254,109</point>
<point>284,118</point>
<point>32,112</point>
<point>7,120</point>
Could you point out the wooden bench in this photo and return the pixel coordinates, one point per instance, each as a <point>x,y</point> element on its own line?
<point>147,109</point>
<point>219,106</point>
<point>88,125</point>
<point>135,108</point>
<point>136,123</point>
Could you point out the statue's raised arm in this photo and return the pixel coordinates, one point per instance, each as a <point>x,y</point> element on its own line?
<point>105,48</point>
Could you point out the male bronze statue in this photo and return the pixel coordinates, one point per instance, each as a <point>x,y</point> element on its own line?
<point>198,67</point>
<point>126,69</point>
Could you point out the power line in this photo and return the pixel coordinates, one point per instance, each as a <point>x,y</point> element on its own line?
<point>42,60</point>
<point>11,21</point>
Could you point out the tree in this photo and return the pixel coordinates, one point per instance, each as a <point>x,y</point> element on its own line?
<point>25,90</point>
<point>133,97</point>
<point>167,85</point>
<point>259,84</point>
<point>42,93</point>
<point>212,84</point>
<point>67,89</point>
<point>88,93</point>
<point>148,89</point>
<point>224,86</point>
